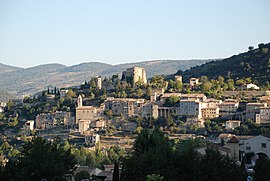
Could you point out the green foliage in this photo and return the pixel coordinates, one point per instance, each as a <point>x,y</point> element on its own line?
<point>152,152</point>
<point>154,177</point>
<point>71,94</point>
<point>262,169</point>
<point>253,64</point>
<point>156,158</point>
<point>82,175</point>
<point>215,166</point>
<point>40,160</point>
<point>172,101</point>
<point>248,128</point>
<point>158,82</point>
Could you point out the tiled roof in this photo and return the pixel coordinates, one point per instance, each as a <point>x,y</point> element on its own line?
<point>233,140</point>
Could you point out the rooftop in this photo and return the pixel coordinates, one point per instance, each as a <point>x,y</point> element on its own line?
<point>233,139</point>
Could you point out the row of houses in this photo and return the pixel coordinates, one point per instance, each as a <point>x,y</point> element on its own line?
<point>194,106</point>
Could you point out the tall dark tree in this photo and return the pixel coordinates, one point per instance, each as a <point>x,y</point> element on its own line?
<point>215,166</point>
<point>116,171</point>
<point>41,160</point>
<point>152,154</point>
<point>262,169</point>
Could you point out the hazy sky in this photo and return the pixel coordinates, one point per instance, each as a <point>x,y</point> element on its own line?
<point>36,32</point>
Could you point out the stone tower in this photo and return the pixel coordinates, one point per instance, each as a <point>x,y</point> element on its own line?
<point>135,74</point>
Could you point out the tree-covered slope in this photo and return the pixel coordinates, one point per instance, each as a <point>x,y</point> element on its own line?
<point>254,63</point>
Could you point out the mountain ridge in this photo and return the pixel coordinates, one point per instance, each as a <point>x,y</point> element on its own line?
<point>7,68</point>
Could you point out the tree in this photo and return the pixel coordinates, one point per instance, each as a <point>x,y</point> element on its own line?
<point>71,94</point>
<point>139,92</point>
<point>204,79</point>
<point>250,48</point>
<point>82,175</point>
<point>240,82</point>
<point>9,105</point>
<point>39,160</point>
<point>172,101</point>
<point>215,166</point>
<point>152,154</point>
<point>230,83</point>
<point>206,86</point>
<point>262,169</point>
<point>116,171</point>
<point>154,177</point>
<point>178,85</point>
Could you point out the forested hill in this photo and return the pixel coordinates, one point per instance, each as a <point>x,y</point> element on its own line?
<point>254,63</point>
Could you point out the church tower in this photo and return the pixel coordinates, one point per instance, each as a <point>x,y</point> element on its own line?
<point>79,101</point>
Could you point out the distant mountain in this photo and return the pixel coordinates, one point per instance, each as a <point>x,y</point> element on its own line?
<point>7,68</point>
<point>254,63</point>
<point>31,80</point>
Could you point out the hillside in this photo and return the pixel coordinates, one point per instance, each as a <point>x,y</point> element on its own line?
<point>31,80</point>
<point>254,63</point>
<point>7,68</point>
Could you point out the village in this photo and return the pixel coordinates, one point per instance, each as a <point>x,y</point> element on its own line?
<point>182,115</point>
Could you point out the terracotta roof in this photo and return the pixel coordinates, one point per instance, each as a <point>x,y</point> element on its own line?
<point>233,140</point>
<point>225,135</point>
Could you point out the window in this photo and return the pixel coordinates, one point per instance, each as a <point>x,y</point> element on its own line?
<point>248,148</point>
<point>263,145</point>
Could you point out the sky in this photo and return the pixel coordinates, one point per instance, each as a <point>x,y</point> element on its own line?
<point>34,32</point>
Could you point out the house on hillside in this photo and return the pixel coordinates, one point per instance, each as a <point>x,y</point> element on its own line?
<point>251,86</point>
<point>253,148</point>
<point>232,124</point>
<point>92,139</point>
<point>193,81</point>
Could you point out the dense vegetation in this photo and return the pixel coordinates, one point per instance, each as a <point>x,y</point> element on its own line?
<point>54,160</point>
<point>155,154</point>
<point>255,64</point>
<point>39,160</point>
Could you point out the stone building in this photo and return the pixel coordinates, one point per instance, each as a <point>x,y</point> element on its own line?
<point>178,78</point>
<point>149,109</point>
<point>199,97</point>
<point>210,112</point>
<point>228,107</point>
<point>254,108</point>
<point>85,115</point>
<point>134,74</point>
<point>210,108</point>
<point>98,81</point>
<point>264,115</point>
<point>50,120</point>
<point>253,148</point>
<point>193,81</point>
<point>191,108</point>
<point>128,107</point>
<point>165,111</point>
<point>91,139</point>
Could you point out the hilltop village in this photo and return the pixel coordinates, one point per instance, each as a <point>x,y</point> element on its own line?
<point>233,116</point>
